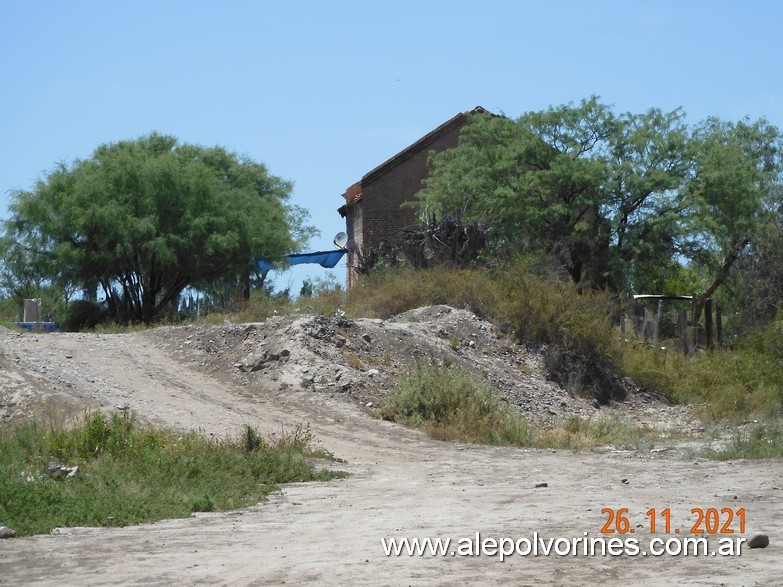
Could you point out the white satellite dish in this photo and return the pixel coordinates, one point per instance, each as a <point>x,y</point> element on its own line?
<point>340,240</point>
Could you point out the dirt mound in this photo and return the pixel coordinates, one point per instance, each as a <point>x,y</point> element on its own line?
<point>364,358</point>
<point>359,360</point>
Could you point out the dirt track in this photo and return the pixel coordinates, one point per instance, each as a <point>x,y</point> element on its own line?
<point>402,485</point>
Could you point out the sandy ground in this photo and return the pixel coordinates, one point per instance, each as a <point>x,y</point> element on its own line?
<point>403,484</point>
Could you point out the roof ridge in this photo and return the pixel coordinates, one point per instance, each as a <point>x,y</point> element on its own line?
<point>421,143</point>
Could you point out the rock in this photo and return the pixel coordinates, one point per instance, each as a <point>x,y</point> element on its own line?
<point>6,532</point>
<point>625,482</point>
<point>758,541</point>
<point>54,470</point>
<point>369,404</point>
<point>540,485</point>
<point>255,364</point>
<point>57,471</point>
<point>373,372</point>
<point>367,338</point>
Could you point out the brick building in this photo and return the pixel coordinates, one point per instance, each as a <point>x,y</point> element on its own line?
<point>373,209</point>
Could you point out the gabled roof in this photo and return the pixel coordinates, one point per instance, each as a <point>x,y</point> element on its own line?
<point>421,144</point>
<point>354,192</point>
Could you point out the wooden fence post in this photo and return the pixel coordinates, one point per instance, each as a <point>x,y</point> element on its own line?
<point>658,314</point>
<point>693,310</point>
<point>719,322</point>
<point>684,330</point>
<point>708,321</point>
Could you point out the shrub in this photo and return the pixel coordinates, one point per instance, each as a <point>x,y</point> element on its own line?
<point>449,404</point>
<point>726,383</point>
<point>84,315</point>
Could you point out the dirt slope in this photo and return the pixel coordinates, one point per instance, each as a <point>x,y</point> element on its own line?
<point>326,371</point>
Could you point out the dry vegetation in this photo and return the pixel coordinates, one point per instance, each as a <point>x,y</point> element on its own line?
<point>731,385</point>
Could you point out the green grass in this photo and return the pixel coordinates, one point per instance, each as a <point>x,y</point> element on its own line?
<point>762,441</point>
<point>450,404</point>
<point>130,475</point>
<point>728,384</point>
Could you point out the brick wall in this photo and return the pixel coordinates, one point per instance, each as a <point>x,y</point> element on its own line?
<point>383,196</point>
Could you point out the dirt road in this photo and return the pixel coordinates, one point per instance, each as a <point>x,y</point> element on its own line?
<point>402,485</point>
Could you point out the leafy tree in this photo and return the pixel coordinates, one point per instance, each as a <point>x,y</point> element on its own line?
<point>735,192</point>
<point>630,198</point>
<point>19,277</point>
<point>756,279</point>
<point>530,192</point>
<point>145,219</point>
<point>600,185</point>
<point>23,276</point>
<point>648,161</point>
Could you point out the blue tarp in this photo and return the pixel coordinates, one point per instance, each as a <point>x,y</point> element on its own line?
<point>326,259</point>
<point>38,326</point>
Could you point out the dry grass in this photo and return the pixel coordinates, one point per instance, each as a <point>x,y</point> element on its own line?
<point>449,404</point>
<point>728,384</point>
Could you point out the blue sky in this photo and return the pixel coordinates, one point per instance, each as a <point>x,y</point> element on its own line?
<point>322,92</point>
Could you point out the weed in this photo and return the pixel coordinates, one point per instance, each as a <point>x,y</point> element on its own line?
<point>353,359</point>
<point>129,475</point>
<point>762,441</point>
<point>203,503</point>
<point>727,384</point>
<point>253,441</point>
<point>450,404</point>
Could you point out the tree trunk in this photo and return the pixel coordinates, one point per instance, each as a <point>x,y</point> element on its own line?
<point>246,284</point>
<point>723,273</point>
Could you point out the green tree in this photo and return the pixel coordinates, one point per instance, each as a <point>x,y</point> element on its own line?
<point>532,192</point>
<point>735,192</point>
<point>757,277</point>
<point>579,177</point>
<point>24,275</point>
<point>145,219</point>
